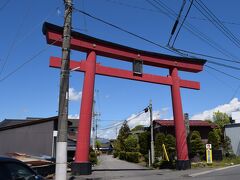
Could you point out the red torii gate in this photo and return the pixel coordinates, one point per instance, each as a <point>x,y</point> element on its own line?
<point>93,46</point>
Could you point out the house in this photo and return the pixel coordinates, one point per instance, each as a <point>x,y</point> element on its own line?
<point>167,127</point>
<point>232,131</point>
<point>34,136</point>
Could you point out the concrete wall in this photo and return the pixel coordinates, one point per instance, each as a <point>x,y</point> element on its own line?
<point>233,132</point>
<point>33,139</point>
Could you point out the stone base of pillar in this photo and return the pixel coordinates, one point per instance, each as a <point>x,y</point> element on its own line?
<point>84,168</point>
<point>183,164</point>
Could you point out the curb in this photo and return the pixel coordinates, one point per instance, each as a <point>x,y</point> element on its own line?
<point>214,170</point>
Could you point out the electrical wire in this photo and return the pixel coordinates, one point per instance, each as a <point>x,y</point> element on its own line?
<point>123,30</point>
<point>192,29</point>
<point>222,72</point>
<point>209,56</point>
<point>205,11</point>
<point>177,21</point>
<point>223,65</point>
<point>28,61</point>
<point>13,43</point>
<point>5,4</point>
<point>126,120</point>
<point>121,3</point>
<point>182,23</point>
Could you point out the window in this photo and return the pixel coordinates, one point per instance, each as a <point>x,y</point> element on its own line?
<point>19,171</point>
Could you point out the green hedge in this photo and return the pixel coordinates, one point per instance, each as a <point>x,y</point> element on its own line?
<point>115,154</point>
<point>93,157</point>
<point>132,157</point>
<point>122,155</point>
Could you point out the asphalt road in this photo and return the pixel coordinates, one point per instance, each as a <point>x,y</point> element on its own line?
<point>112,168</point>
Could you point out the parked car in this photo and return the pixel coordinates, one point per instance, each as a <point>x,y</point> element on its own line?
<point>13,169</point>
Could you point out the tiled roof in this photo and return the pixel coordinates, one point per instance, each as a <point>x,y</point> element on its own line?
<point>191,123</point>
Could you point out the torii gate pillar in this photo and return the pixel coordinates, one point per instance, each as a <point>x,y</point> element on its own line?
<point>84,127</point>
<point>181,144</point>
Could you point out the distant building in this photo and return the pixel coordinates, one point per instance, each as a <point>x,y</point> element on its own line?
<point>232,131</point>
<point>167,127</point>
<point>34,136</point>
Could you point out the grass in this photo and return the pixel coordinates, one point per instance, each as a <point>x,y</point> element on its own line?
<point>225,162</point>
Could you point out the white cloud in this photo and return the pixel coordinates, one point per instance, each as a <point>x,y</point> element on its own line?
<point>233,105</point>
<point>74,95</point>
<point>73,116</point>
<point>133,120</point>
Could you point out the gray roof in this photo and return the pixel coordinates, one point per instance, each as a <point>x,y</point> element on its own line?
<point>11,122</point>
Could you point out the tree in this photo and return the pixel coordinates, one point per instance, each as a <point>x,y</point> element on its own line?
<point>138,128</point>
<point>214,139</point>
<point>98,144</point>
<point>221,119</point>
<point>170,143</point>
<point>197,145</point>
<point>227,147</point>
<point>144,142</point>
<point>131,144</point>
<point>122,135</point>
<point>159,141</point>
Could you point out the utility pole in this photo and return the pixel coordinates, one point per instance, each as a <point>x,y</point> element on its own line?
<point>149,108</point>
<point>93,126</point>
<point>151,125</point>
<point>61,151</point>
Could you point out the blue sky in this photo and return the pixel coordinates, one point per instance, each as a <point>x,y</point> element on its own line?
<point>32,91</point>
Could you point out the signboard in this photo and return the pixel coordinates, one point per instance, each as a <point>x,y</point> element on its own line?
<point>209,153</point>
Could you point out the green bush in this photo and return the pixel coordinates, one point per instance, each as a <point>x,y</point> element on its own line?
<point>93,157</point>
<point>132,157</point>
<point>115,154</point>
<point>131,144</point>
<point>122,155</point>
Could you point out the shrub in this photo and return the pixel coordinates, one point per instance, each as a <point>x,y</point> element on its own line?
<point>144,142</point>
<point>122,155</point>
<point>93,157</point>
<point>159,140</point>
<point>132,157</point>
<point>131,144</point>
<point>115,154</point>
<point>197,147</point>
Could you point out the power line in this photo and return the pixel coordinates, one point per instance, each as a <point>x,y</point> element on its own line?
<point>5,4</point>
<point>220,80</point>
<point>209,56</point>
<point>223,65</point>
<point>177,21</point>
<point>192,29</point>
<point>182,23</point>
<point>28,61</point>
<point>222,72</point>
<point>126,120</point>
<point>205,11</point>
<point>154,11</point>
<point>13,43</point>
<point>123,30</point>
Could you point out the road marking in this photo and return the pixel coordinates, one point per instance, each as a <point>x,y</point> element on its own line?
<point>214,170</point>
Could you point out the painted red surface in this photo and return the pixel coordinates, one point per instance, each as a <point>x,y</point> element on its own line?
<point>198,123</point>
<point>180,131</point>
<point>125,74</point>
<point>84,126</point>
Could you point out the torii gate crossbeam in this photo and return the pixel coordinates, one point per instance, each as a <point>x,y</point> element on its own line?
<point>94,47</point>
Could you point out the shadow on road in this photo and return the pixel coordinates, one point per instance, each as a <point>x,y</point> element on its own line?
<point>122,169</point>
